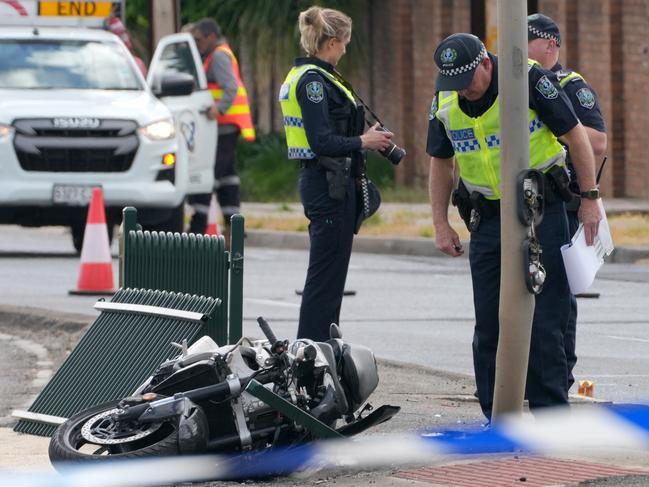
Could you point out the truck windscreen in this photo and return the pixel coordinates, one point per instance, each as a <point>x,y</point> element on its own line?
<point>65,64</point>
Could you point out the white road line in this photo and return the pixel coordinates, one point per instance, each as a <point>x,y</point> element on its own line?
<point>628,339</point>
<point>612,376</point>
<point>272,302</point>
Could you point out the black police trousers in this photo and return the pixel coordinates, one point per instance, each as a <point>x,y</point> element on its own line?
<point>547,378</point>
<point>226,186</point>
<point>331,232</point>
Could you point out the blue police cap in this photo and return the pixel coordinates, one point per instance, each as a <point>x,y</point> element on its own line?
<point>541,26</point>
<point>457,58</point>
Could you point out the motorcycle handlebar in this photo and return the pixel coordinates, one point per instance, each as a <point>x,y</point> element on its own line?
<point>265,327</point>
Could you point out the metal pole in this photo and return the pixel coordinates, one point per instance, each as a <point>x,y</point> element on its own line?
<point>163,20</point>
<point>516,303</point>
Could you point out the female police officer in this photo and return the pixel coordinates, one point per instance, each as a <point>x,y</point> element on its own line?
<point>323,133</point>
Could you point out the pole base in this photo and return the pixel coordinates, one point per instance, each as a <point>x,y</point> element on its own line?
<point>587,295</point>
<point>346,292</point>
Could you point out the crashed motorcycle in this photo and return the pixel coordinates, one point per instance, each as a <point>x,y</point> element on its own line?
<point>249,396</point>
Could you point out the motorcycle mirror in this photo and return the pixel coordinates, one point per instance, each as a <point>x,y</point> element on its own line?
<point>334,331</point>
<point>181,346</point>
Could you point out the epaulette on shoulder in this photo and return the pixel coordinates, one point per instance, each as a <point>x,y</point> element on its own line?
<point>564,73</point>
<point>313,71</point>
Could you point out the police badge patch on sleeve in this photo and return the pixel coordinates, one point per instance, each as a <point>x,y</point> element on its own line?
<point>433,108</point>
<point>586,98</point>
<point>315,91</point>
<point>284,92</point>
<point>547,88</point>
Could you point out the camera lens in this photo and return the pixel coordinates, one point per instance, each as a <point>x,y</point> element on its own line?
<point>393,153</point>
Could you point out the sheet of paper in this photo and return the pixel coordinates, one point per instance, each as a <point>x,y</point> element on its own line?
<point>582,261</point>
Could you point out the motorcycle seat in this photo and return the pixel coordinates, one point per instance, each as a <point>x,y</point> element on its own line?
<point>359,373</point>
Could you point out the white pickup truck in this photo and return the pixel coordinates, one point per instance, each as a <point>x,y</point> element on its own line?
<point>76,113</point>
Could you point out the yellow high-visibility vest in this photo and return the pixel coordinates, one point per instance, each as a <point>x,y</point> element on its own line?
<point>298,145</point>
<point>476,142</point>
<point>239,112</point>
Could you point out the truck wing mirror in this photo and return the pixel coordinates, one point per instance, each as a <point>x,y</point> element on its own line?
<point>177,84</point>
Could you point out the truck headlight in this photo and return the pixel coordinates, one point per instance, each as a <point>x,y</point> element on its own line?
<point>160,130</point>
<point>5,130</point>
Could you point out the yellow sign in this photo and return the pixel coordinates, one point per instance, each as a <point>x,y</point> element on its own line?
<point>74,9</point>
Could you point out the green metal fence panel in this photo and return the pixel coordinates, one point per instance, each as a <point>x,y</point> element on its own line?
<point>188,263</point>
<point>117,353</point>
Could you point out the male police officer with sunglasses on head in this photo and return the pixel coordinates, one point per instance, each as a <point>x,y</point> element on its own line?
<point>464,129</point>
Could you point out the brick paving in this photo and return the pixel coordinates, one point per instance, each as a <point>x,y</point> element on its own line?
<point>526,471</point>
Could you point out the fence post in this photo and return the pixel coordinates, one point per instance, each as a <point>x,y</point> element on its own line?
<point>236,279</point>
<point>129,222</point>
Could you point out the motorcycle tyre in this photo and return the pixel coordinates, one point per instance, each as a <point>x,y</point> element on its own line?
<point>61,449</point>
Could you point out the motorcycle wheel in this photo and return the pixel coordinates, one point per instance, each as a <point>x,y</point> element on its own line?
<point>91,435</point>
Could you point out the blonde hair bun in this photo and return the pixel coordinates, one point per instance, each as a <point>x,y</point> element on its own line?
<point>318,24</point>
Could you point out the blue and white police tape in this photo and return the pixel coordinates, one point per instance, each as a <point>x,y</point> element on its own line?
<point>595,428</point>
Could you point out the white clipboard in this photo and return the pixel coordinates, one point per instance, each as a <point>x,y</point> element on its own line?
<point>582,261</point>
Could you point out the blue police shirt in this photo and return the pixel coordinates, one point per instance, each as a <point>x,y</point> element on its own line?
<point>553,108</point>
<point>326,112</point>
<point>583,98</point>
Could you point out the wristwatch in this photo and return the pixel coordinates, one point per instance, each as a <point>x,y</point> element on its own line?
<point>591,194</point>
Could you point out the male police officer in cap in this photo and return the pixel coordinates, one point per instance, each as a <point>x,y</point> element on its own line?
<point>464,128</point>
<point>544,40</point>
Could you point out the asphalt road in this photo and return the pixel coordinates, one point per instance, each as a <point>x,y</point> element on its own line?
<point>410,309</point>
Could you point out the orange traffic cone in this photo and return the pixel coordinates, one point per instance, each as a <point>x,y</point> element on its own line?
<point>212,226</point>
<point>96,273</point>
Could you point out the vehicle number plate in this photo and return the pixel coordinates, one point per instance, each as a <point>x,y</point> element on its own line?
<point>71,195</point>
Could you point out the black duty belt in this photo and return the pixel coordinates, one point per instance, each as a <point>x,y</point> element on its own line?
<point>308,163</point>
<point>311,163</point>
<point>551,192</point>
<point>491,208</point>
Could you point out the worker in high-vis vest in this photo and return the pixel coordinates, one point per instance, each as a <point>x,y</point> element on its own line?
<point>324,133</point>
<point>544,41</point>
<point>464,134</point>
<point>231,110</point>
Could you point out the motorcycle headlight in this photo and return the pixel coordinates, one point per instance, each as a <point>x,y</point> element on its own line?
<point>5,130</point>
<point>160,130</point>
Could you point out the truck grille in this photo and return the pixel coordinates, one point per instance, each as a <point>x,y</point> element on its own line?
<point>107,146</point>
